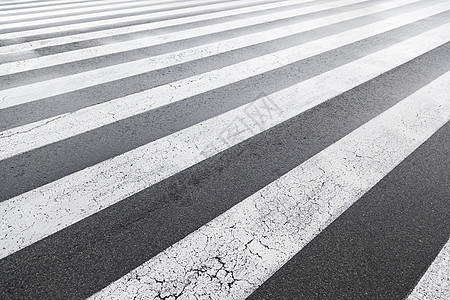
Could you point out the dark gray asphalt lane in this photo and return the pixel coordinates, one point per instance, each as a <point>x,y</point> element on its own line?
<point>38,167</point>
<point>103,27</point>
<point>381,246</point>
<point>192,42</point>
<point>78,235</point>
<point>34,4</point>
<point>68,102</point>
<point>162,30</point>
<point>118,15</point>
<point>29,16</point>
<point>36,75</point>
<point>85,257</point>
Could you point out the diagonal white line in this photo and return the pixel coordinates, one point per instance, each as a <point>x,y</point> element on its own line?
<point>435,283</point>
<point>232,255</point>
<point>15,5</point>
<point>61,203</point>
<point>141,27</point>
<point>120,20</point>
<point>66,57</point>
<point>44,132</point>
<point>24,94</point>
<point>70,8</point>
<point>177,5</point>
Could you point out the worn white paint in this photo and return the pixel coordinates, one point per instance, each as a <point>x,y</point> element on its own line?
<point>124,10</point>
<point>63,202</point>
<point>50,11</point>
<point>116,21</point>
<point>435,283</point>
<point>91,52</point>
<point>31,3</point>
<point>24,94</point>
<point>232,255</point>
<point>141,27</point>
<point>40,133</point>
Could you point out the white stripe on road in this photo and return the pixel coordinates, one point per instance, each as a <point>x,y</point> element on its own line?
<point>435,283</point>
<point>141,27</point>
<point>175,6</point>
<point>31,3</point>
<point>232,255</point>
<point>118,21</point>
<point>91,52</point>
<point>24,94</point>
<point>68,200</point>
<point>40,133</point>
<point>71,8</point>
<point>56,7</point>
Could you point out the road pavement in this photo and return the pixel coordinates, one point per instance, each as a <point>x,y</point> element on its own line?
<point>260,149</point>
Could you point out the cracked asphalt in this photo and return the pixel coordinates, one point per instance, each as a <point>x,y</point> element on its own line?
<point>260,149</point>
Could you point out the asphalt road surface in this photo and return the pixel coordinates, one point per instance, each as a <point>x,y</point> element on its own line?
<point>212,149</point>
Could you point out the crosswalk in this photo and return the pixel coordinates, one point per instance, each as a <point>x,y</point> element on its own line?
<point>211,149</point>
